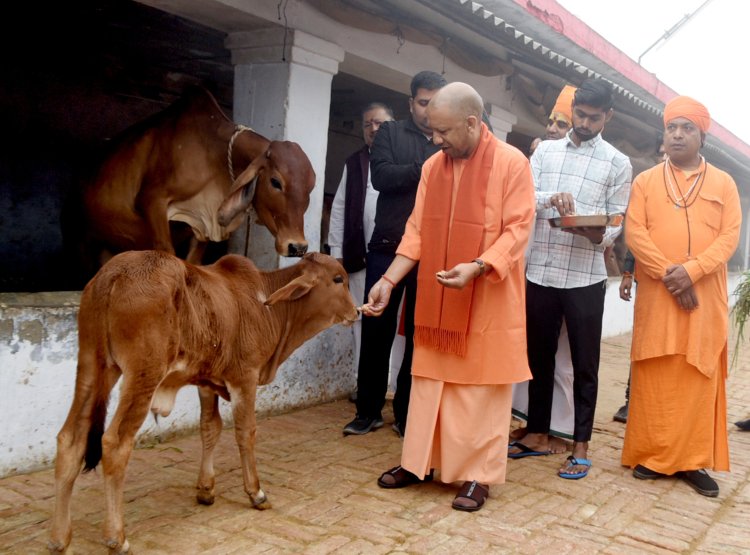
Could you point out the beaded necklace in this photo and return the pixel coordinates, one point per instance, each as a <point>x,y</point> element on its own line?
<point>684,200</point>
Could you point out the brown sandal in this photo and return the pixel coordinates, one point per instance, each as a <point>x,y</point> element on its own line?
<point>400,478</point>
<point>474,492</point>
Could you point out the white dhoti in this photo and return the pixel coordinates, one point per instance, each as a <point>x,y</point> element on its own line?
<point>562,417</point>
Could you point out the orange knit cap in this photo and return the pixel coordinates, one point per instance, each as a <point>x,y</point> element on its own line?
<point>564,103</point>
<point>686,107</point>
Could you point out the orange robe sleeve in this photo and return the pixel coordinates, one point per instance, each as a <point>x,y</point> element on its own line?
<point>650,259</point>
<point>727,202</point>
<point>509,248</point>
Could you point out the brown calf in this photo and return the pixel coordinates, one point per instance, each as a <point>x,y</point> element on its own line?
<point>162,323</point>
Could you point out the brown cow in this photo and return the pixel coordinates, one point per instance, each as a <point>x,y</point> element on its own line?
<point>163,323</point>
<point>175,167</point>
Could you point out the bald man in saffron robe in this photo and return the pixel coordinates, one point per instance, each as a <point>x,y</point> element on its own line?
<point>683,225</point>
<point>469,229</point>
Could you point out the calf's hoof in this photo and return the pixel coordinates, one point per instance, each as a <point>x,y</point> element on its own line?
<point>56,547</point>
<point>116,548</point>
<point>260,501</point>
<point>205,497</point>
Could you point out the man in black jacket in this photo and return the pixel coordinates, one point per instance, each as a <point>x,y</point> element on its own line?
<point>396,159</point>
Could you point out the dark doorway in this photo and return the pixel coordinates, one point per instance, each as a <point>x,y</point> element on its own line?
<point>104,65</point>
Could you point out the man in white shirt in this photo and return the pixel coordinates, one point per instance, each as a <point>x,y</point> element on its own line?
<point>353,211</point>
<point>566,275</point>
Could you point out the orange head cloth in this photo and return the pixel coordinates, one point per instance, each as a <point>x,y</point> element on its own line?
<point>686,107</point>
<point>564,104</point>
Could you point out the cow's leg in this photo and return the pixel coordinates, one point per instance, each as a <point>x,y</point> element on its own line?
<point>243,410</point>
<point>196,251</point>
<point>72,442</point>
<point>117,444</point>
<point>105,255</point>
<point>153,206</point>
<point>210,432</point>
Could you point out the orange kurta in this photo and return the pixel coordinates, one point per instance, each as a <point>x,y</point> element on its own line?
<point>659,235</point>
<point>459,409</point>
<point>496,342</point>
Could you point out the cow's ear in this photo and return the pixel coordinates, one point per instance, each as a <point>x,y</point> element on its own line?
<point>249,173</point>
<point>298,287</point>
<point>240,198</point>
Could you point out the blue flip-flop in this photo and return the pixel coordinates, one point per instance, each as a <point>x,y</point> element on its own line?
<point>572,461</point>
<point>526,451</point>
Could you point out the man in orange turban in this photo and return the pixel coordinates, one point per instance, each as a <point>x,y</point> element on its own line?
<point>560,118</point>
<point>692,110</point>
<point>683,225</point>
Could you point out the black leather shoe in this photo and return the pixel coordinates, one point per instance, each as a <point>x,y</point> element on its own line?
<point>700,481</point>
<point>743,425</point>
<point>362,425</point>
<point>622,414</point>
<point>643,473</point>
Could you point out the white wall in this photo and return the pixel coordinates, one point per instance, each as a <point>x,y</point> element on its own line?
<point>38,355</point>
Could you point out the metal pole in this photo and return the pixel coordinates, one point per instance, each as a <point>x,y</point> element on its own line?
<point>674,28</point>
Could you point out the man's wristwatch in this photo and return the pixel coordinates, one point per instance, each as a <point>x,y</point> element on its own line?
<point>480,263</point>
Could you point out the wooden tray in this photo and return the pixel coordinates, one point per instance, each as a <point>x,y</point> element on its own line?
<point>593,220</point>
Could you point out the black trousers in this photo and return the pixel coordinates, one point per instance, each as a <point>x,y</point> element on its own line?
<point>377,338</point>
<point>582,308</point>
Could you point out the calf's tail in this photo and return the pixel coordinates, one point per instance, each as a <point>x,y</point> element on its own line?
<point>94,440</point>
<point>96,374</point>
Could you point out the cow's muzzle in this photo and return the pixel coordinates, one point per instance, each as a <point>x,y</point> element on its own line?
<point>296,249</point>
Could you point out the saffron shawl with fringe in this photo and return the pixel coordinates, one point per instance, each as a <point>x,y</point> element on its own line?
<point>442,315</point>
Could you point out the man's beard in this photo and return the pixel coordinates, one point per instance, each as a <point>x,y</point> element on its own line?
<point>584,135</point>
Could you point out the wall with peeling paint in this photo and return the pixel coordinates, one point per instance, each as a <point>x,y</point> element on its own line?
<point>38,354</point>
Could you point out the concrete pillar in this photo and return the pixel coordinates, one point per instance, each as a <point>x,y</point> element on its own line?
<point>502,120</point>
<point>282,89</point>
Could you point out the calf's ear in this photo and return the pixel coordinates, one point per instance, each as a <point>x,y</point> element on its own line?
<point>293,290</point>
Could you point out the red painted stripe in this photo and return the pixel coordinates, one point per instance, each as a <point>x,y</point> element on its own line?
<point>565,23</point>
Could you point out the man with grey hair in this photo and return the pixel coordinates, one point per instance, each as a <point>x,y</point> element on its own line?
<point>353,210</point>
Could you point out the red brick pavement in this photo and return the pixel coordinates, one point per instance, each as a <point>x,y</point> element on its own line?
<point>325,500</point>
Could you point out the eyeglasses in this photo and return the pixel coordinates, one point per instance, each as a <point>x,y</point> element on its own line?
<point>369,124</point>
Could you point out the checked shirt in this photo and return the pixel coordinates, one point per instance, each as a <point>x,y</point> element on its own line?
<point>598,176</point>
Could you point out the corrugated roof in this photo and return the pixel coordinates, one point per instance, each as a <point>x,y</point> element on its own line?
<point>538,48</point>
<point>645,91</point>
